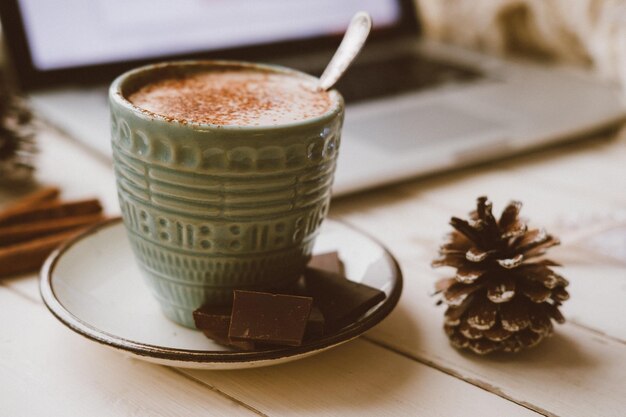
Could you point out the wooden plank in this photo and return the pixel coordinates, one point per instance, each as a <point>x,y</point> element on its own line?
<point>558,377</point>
<point>590,173</point>
<point>48,370</point>
<point>357,379</point>
<point>404,224</point>
<point>26,285</point>
<point>578,362</point>
<point>544,204</point>
<point>597,294</point>
<point>389,384</point>
<point>562,184</point>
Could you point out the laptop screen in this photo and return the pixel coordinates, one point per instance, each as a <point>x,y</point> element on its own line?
<point>65,34</point>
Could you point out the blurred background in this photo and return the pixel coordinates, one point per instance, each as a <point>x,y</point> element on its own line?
<point>52,45</point>
<point>590,33</point>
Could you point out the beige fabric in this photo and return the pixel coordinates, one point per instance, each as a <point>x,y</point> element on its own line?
<point>588,32</point>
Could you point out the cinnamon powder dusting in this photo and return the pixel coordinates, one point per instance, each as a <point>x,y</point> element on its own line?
<point>234,97</point>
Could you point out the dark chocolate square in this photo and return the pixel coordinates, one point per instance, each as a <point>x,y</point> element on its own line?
<point>328,262</point>
<point>214,321</point>
<point>340,300</point>
<point>270,318</point>
<point>315,325</point>
<point>216,318</point>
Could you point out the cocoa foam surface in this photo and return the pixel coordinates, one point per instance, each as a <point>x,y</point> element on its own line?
<point>237,97</point>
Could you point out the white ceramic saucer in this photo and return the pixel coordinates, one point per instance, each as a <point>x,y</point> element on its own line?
<point>93,286</point>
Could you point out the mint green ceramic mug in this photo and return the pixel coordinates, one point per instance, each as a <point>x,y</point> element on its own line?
<point>211,208</point>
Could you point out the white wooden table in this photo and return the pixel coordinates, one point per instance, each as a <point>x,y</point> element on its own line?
<point>405,366</point>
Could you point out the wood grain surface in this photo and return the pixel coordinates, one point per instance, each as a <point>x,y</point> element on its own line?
<point>405,366</point>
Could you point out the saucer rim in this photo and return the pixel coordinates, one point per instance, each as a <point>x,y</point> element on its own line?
<point>177,355</point>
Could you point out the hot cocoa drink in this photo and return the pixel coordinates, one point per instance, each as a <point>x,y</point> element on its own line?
<point>224,172</point>
<point>235,97</point>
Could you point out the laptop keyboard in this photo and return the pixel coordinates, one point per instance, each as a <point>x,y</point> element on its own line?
<point>400,74</point>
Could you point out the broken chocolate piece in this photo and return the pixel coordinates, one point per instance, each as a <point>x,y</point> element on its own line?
<point>214,322</point>
<point>328,262</point>
<point>340,300</point>
<point>296,288</point>
<point>270,318</point>
<point>315,325</point>
<point>224,340</point>
<point>212,317</point>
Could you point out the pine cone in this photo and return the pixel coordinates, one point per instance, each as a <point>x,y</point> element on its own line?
<point>17,144</point>
<point>498,301</point>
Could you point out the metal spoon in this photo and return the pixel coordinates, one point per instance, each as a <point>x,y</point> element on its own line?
<point>350,46</point>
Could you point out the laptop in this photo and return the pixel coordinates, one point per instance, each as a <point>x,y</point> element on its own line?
<point>414,107</point>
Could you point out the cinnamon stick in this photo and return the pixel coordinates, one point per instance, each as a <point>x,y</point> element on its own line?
<point>29,256</point>
<point>52,210</point>
<point>10,235</point>
<point>29,201</point>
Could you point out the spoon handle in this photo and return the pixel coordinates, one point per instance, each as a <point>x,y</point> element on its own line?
<point>350,46</point>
